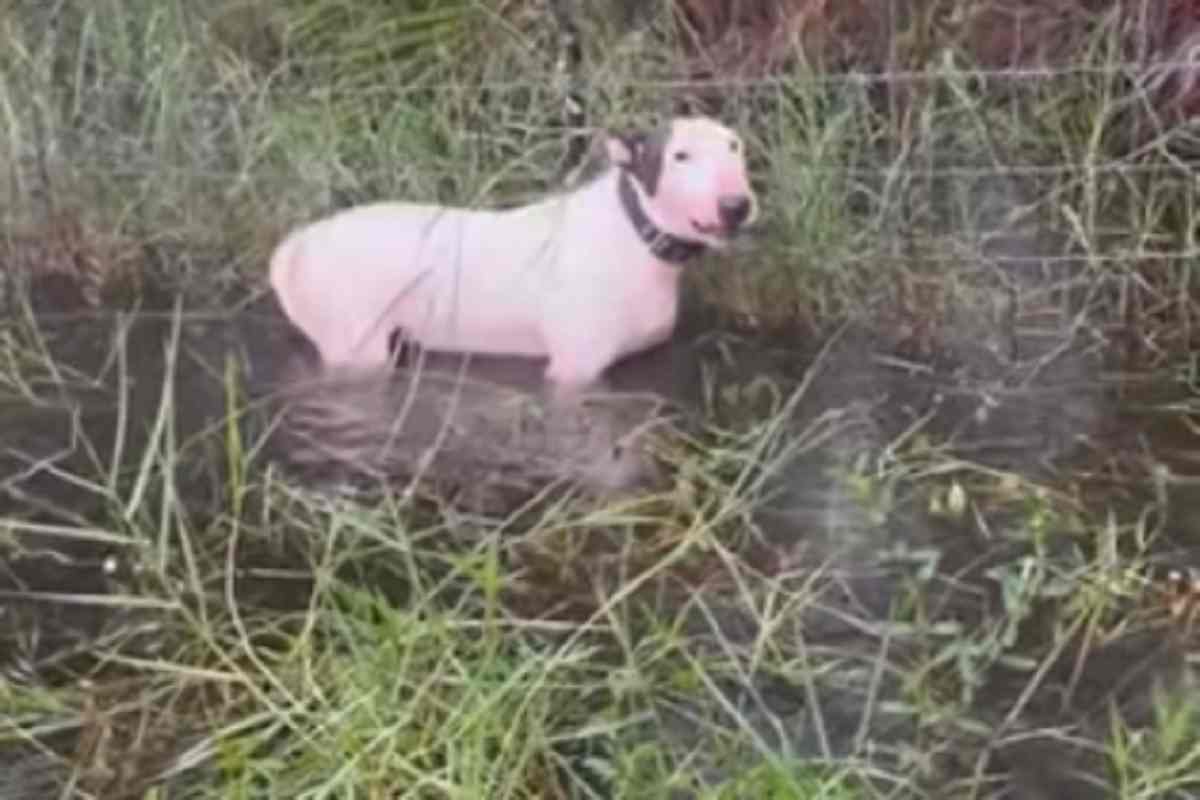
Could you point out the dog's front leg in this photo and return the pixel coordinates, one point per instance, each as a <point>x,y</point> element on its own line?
<point>589,438</point>
<point>569,378</point>
<point>573,372</point>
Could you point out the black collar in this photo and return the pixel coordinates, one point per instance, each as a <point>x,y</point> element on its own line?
<point>665,246</point>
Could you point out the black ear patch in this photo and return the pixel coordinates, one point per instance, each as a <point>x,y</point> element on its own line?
<point>647,151</point>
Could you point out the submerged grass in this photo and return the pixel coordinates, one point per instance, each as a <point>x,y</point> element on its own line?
<point>920,615</point>
<point>391,658</point>
<point>287,642</point>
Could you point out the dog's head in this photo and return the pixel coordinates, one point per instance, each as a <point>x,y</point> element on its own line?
<point>691,175</point>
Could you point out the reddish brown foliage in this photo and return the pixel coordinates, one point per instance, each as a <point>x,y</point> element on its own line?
<point>732,38</point>
<point>1159,40</point>
<point>758,37</point>
<point>68,260</point>
<point>1168,32</point>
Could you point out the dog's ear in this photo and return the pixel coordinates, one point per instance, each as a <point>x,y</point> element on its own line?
<point>625,149</point>
<point>641,153</point>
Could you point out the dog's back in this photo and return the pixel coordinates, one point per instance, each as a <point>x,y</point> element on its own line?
<point>353,277</point>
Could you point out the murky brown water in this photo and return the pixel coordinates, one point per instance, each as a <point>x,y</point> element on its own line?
<point>1050,410</point>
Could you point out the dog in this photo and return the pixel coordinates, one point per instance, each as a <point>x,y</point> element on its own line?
<point>582,278</point>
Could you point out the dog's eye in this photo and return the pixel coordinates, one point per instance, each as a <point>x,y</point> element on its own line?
<point>735,145</point>
<point>682,155</point>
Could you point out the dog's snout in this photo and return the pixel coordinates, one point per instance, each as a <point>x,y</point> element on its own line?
<point>734,210</point>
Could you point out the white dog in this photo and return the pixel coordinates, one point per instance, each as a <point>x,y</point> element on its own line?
<point>583,278</point>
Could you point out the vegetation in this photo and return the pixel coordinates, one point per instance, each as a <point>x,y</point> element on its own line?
<point>919,560</point>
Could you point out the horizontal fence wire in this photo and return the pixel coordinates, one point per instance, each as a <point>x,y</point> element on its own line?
<point>1037,259</point>
<point>1159,68</point>
<point>1066,169</point>
<point>1149,75</point>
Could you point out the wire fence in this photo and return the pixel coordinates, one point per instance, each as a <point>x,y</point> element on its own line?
<point>207,158</point>
<point>1081,169</point>
<point>1186,69</point>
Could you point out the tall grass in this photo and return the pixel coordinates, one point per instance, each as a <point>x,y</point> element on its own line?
<point>212,130</point>
<point>822,602</point>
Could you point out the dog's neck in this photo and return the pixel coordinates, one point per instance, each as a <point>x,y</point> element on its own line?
<point>665,246</point>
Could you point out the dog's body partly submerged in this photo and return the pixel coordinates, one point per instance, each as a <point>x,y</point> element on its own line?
<point>582,278</point>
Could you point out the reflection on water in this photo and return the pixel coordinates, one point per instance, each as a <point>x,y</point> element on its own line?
<point>448,425</point>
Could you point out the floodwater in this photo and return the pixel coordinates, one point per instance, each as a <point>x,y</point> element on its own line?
<point>1034,397</point>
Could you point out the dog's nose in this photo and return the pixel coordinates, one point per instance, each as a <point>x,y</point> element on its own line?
<point>733,210</point>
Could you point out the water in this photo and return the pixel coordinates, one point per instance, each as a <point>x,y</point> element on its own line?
<point>1035,400</point>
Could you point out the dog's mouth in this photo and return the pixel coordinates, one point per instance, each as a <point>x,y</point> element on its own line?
<point>714,231</point>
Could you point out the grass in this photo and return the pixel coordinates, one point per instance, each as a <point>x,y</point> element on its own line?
<point>840,592</point>
<point>447,692</point>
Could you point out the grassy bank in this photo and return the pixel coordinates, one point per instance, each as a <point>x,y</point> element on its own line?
<point>207,132</point>
<point>832,596</point>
